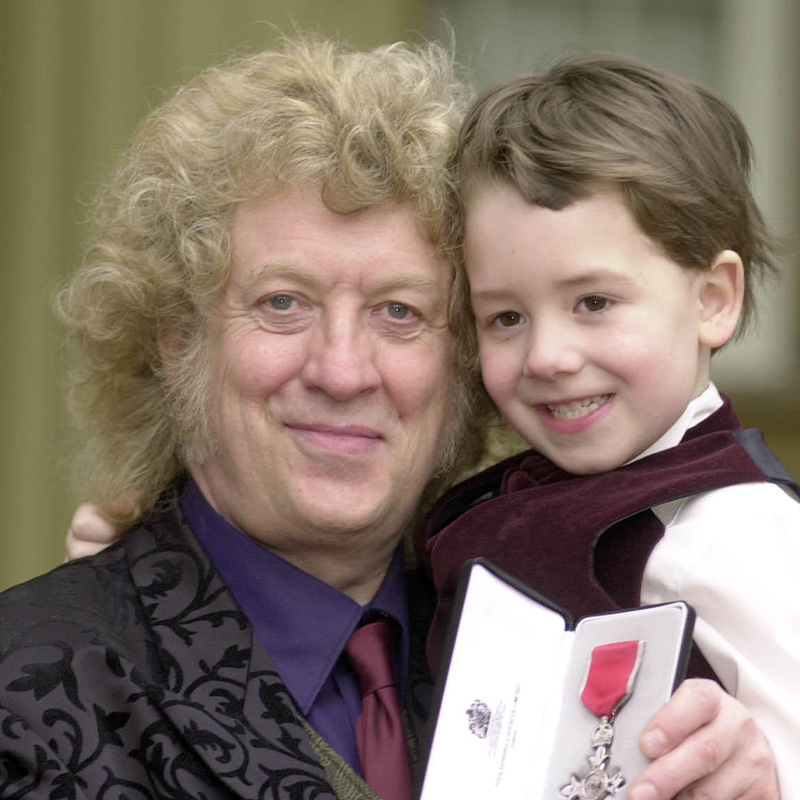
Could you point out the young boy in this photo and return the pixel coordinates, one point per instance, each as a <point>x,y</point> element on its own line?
<point>611,245</point>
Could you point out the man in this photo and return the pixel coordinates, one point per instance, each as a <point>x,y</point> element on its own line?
<point>268,379</point>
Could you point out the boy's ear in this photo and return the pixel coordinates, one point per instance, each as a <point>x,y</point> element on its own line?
<point>721,296</point>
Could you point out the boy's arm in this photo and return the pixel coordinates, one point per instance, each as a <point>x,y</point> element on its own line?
<point>732,554</point>
<point>705,744</point>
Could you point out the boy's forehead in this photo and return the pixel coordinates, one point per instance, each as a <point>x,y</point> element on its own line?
<point>594,237</point>
<point>604,197</point>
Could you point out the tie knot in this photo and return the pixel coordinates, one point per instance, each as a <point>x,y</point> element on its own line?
<point>369,650</point>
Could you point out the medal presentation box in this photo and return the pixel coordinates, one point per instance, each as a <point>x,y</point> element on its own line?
<point>531,707</point>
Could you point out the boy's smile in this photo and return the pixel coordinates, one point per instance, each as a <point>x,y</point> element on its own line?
<point>592,340</point>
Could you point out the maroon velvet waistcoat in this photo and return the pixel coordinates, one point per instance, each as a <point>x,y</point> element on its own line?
<point>582,541</point>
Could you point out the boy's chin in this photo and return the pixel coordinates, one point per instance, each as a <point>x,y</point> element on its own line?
<point>590,464</point>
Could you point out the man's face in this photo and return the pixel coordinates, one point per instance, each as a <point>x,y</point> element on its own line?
<point>589,334</point>
<point>330,377</point>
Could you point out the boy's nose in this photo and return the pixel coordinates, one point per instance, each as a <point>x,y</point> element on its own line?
<point>552,351</point>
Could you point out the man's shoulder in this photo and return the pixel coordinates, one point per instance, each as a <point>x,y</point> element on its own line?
<point>73,578</point>
<point>88,600</point>
<point>74,602</point>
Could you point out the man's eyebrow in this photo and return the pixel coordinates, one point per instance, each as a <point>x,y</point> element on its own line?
<point>416,282</point>
<point>282,270</point>
<point>277,270</point>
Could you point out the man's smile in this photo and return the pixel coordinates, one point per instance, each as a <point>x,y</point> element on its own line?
<point>348,440</point>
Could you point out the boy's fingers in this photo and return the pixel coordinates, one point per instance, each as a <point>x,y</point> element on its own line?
<point>748,774</point>
<point>694,704</point>
<point>736,779</point>
<point>706,745</point>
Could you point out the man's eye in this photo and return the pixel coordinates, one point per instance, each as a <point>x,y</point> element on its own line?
<point>507,319</point>
<point>399,311</point>
<point>594,302</point>
<point>280,302</point>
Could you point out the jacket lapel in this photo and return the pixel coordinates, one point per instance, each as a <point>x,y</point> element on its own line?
<point>226,716</point>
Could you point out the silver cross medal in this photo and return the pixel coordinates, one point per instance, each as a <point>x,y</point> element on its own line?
<point>596,784</point>
<point>607,685</point>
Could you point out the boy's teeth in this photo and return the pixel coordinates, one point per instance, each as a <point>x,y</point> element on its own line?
<point>578,408</point>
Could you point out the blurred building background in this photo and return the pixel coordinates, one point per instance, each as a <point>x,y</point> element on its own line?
<point>77,75</point>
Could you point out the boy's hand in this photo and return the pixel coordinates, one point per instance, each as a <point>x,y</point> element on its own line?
<point>705,744</point>
<point>89,532</point>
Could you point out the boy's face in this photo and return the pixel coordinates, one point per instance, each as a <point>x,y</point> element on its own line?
<point>592,341</point>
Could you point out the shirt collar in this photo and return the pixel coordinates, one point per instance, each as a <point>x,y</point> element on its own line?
<point>302,622</point>
<point>702,407</point>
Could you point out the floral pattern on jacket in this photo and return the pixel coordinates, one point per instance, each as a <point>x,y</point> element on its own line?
<point>133,674</point>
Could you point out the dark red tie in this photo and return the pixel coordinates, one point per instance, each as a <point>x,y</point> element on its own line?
<point>380,735</point>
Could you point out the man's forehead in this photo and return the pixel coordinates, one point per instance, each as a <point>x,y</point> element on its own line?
<point>292,234</point>
<point>305,205</point>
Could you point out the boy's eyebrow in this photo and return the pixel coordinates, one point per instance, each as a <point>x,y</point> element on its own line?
<point>488,294</point>
<point>589,276</point>
<point>596,274</point>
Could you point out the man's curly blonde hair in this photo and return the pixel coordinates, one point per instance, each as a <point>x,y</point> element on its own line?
<point>367,127</point>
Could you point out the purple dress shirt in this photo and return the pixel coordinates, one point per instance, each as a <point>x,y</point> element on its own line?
<point>301,622</point>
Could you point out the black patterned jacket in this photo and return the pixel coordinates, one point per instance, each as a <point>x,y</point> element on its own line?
<point>133,674</point>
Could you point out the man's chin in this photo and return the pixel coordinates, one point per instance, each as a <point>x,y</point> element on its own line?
<point>349,518</point>
<point>355,511</point>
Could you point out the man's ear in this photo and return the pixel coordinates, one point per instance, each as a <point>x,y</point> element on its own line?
<point>721,296</point>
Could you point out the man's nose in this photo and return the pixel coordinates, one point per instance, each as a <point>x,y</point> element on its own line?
<point>341,360</point>
<point>553,350</point>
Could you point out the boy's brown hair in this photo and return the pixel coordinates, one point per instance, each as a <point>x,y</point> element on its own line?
<point>678,152</point>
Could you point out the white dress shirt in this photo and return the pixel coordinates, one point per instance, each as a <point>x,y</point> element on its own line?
<point>734,555</point>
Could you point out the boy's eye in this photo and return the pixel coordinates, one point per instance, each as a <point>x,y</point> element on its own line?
<point>507,319</point>
<point>594,302</point>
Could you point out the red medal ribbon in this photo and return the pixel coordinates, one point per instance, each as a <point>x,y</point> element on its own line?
<point>610,677</point>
